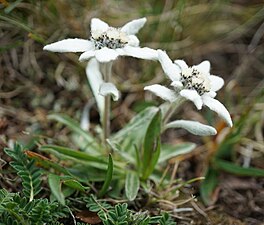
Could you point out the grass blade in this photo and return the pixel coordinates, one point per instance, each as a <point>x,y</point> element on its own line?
<point>72,153</point>
<point>237,170</point>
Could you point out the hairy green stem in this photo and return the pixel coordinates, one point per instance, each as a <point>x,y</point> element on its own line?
<point>173,107</point>
<point>107,103</point>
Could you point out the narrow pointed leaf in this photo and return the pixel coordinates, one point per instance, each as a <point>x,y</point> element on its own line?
<point>72,153</point>
<point>138,160</point>
<point>108,177</point>
<point>238,170</point>
<point>151,146</point>
<point>74,184</point>
<point>208,186</point>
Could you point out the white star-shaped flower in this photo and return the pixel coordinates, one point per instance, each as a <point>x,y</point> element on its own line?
<point>107,43</point>
<point>193,83</point>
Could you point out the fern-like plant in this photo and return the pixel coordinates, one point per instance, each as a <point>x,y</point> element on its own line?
<point>23,208</point>
<point>27,171</point>
<point>17,210</point>
<point>121,215</point>
<point>166,220</point>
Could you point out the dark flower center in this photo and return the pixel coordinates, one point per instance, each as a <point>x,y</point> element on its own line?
<point>112,38</point>
<point>193,79</point>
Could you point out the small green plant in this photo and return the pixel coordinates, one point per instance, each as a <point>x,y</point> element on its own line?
<point>26,170</point>
<point>24,208</point>
<point>17,210</point>
<point>121,215</point>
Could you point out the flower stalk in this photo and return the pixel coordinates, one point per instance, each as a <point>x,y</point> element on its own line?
<point>107,71</point>
<point>172,109</point>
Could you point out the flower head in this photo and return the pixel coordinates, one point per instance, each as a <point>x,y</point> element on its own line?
<point>112,38</point>
<point>194,83</point>
<point>194,79</point>
<point>107,43</point>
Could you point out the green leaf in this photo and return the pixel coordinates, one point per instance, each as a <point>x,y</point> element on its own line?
<point>170,151</point>
<point>225,148</point>
<point>16,23</point>
<point>45,162</point>
<point>5,198</point>
<point>132,185</point>
<point>138,160</point>
<point>208,186</point>
<point>55,187</point>
<point>27,171</point>
<point>85,173</point>
<point>67,191</point>
<point>72,153</point>
<point>75,127</point>
<point>74,184</point>
<point>133,133</point>
<point>118,149</point>
<point>108,177</point>
<point>236,169</point>
<point>117,188</point>
<point>166,220</point>
<point>151,146</point>
<point>136,124</point>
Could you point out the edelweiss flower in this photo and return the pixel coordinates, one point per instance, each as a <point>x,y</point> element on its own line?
<point>193,83</point>
<point>107,43</point>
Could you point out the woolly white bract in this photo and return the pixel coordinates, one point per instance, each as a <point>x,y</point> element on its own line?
<point>193,83</point>
<point>107,43</point>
